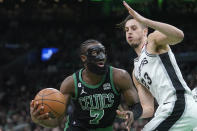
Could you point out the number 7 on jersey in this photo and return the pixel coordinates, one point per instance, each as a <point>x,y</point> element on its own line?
<point>98,114</point>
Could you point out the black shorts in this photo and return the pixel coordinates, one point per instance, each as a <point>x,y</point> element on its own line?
<point>74,128</point>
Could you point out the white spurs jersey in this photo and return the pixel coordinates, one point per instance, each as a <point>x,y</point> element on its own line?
<point>160,74</point>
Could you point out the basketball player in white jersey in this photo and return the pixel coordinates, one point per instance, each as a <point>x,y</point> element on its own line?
<point>157,75</point>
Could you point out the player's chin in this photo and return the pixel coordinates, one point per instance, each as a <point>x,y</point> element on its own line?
<point>130,42</point>
<point>134,45</point>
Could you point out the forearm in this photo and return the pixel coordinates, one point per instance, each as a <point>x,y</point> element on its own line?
<point>147,112</point>
<point>147,104</point>
<point>168,30</point>
<point>147,101</point>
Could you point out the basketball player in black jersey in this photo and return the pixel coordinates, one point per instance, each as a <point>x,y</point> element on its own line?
<point>95,91</point>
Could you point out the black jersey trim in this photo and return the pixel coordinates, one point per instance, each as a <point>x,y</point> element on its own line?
<point>148,54</point>
<point>171,72</point>
<point>179,106</point>
<point>112,81</point>
<point>91,86</point>
<point>76,88</point>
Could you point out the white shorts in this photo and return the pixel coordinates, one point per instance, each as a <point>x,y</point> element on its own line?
<point>180,115</point>
<point>195,129</point>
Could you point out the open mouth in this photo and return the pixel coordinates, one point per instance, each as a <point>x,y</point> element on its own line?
<point>101,63</point>
<point>130,38</point>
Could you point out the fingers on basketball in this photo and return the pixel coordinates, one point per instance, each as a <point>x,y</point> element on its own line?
<point>51,103</point>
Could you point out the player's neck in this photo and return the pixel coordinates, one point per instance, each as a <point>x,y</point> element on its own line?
<point>141,45</point>
<point>90,77</point>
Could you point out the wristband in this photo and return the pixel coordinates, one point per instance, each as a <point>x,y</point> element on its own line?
<point>137,110</point>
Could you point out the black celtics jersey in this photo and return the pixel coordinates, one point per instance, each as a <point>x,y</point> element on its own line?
<point>94,105</point>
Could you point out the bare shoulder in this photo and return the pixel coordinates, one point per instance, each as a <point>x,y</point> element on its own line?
<point>68,86</point>
<point>120,73</point>
<point>122,79</point>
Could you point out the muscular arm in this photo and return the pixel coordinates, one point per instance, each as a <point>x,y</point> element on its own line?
<point>164,34</point>
<point>146,99</point>
<point>66,88</point>
<point>124,83</point>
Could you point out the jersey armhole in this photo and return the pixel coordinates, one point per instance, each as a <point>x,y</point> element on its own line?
<point>136,79</point>
<point>76,90</point>
<point>112,81</point>
<point>133,76</point>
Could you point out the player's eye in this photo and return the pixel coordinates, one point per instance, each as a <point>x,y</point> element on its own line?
<point>126,29</point>
<point>94,53</point>
<point>134,27</point>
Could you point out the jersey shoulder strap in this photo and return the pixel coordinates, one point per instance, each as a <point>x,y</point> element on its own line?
<point>76,81</point>
<point>112,80</point>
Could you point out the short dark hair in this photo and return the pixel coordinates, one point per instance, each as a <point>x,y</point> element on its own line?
<point>85,44</point>
<point>122,24</point>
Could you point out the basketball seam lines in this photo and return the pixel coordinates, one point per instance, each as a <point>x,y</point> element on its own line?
<point>47,94</point>
<point>49,100</point>
<point>52,109</point>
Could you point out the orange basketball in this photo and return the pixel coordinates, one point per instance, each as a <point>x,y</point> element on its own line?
<point>52,100</point>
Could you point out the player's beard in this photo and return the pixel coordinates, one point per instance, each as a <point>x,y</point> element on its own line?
<point>92,67</point>
<point>134,45</point>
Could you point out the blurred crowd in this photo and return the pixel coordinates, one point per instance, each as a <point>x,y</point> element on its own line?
<point>23,73</point>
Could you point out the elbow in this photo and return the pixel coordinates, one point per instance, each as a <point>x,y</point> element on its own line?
<point>180,36</point>
<point>150,111</point>
<point>177,38</point>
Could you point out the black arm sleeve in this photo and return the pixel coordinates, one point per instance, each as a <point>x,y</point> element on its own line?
<point>137,110</point>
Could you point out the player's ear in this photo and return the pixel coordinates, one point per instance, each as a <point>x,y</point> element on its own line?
<point>83,58</point>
